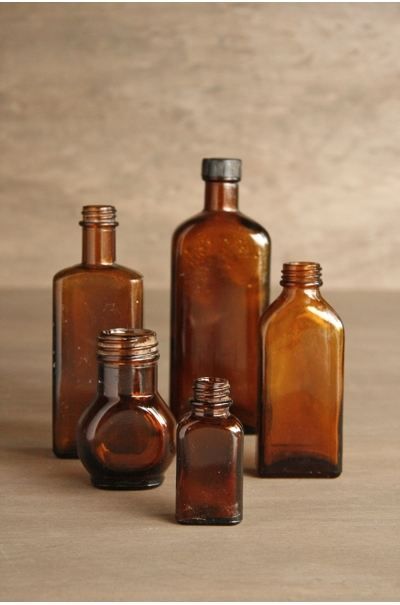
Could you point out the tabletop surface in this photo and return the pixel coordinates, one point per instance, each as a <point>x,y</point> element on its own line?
<point>312,539</point>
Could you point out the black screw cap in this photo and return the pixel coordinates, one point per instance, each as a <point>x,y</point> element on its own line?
<point>221,169</point>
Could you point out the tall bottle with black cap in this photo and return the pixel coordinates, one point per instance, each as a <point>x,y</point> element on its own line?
<point>220,289</point>
<point>91,296</point>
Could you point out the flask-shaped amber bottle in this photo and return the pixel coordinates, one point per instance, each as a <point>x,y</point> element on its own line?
<point>220,288</point>
<point>95,295</point>
<point>126,436</point>
<point>209,475</point>
<point>302,380</point>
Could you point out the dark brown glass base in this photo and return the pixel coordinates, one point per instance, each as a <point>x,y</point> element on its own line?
<point>300,468</point>
<point>211,521</point>
<point>70,455</point>
<point>126,484</point>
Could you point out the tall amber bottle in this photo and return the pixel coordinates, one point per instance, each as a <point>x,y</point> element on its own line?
<point>126,437</point>
<point>95,295</point>
<point>302,380</point>
<point>220,288</point>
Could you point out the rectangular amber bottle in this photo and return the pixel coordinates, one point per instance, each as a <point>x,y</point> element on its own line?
<point>220,289</point>
<point>209,472</point>
<point>302,380</point>
<point>94,295</point>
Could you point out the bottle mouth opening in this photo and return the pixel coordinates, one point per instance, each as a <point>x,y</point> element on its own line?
<point>98,215</point>
<point>211,390</point>
<point>127,344</point>
<point>301,273</point>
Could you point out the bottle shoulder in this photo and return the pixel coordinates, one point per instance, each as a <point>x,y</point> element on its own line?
<point>68,272</point>
<point>190,422</point>
<point>220,223</point>
<point>132,273</point>
<point>154,405</point>
<point>285,310</point>
<point>333,314</point>
<point>255,228</point>
<point>80,270</point>
<point>193,223</point>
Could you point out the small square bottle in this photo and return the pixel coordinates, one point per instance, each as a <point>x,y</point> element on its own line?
<point>209,477</point>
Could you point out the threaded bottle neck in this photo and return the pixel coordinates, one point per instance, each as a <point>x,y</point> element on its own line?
<point>127,346</point>
<point>301,275</point>
<point>211,397</point>
<point>127,362</point>
<point>98,235</point>
<point>100,216</point>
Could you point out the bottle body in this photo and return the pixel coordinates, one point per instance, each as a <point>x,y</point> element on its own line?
<point>87,298</point>
<point>125,438</point>
<point>220,288</point>
<point>209,478</point>
<point>302,382</point>
<point>123,444</point>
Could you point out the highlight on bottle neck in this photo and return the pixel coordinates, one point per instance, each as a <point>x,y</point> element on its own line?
<point>211,396</point>
<point>222,178</point>
<point>135,346</point>
<point>101,216</point>
<point>98,235</point>
<point>302,274</point>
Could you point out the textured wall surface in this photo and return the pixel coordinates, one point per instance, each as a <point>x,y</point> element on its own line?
<point>118,103</point>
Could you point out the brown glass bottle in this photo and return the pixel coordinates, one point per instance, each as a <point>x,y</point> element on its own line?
<point>95,295</point>
<point>209,475</point>
<point>302,380</point>
<point>220,288</point>
<point>126,436</point>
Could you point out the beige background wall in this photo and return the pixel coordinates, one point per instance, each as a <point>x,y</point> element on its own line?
<point>103,103</point>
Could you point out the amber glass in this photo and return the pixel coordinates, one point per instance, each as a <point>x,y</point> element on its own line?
<point>220,288</point>
<point>302,380</point>
<point>126,436</point>
<point>95,295</point>
<point>209,475</point>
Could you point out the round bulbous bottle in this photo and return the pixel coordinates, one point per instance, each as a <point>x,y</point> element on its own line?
<point>300,413</point>
<point>209,473</point>
<point>125,438</point>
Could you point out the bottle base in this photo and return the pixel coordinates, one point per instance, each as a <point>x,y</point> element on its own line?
<point>67,455</point>
<point>126,484</point>
<point>211,521</point>
<point>300,468</point>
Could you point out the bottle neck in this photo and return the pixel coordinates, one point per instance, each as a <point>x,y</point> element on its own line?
<point>301,279</point>
<point>301,292</point>
<point>211,397</point>
<point>98,245</point>
<point>128,380</point>
<point>213,410</point>
<point>220,195</point>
